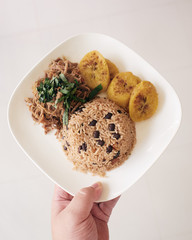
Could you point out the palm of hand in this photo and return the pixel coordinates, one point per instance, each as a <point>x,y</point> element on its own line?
<point>95,226</point>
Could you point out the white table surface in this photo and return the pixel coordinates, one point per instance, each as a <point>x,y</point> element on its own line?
<point>159,205</point>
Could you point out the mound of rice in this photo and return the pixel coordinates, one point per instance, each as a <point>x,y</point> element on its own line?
<point>100,137</point>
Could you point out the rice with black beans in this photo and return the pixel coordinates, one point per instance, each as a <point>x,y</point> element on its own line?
<point>99,138</point>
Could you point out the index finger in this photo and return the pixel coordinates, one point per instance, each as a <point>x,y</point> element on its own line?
<point>60,194</point>
<point>108,206</point>
<point>60,200</point>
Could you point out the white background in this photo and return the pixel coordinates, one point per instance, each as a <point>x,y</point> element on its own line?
<point>159,205</point>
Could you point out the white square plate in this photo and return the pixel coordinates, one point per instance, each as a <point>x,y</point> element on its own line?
<point>153,135</point>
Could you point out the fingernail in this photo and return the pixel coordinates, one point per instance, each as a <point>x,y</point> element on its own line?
<point>97,185</point>
<point>98,189</point>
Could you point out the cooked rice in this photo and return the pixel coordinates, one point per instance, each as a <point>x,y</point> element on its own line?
<point>117,135</point>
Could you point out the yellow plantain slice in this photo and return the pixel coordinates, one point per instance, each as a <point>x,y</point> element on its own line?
<point>94,70</point>
<point>113,70</point>
<point>143,102</point>
<point>121,86</point>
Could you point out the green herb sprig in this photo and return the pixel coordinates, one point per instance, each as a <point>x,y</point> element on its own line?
<point>48,90</point>
<point>94,92</point>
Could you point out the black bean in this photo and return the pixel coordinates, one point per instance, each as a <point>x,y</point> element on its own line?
<point>116,135</point>
<point>104,159</point>
<point>111,127</point>
<point>94,163</point>
<point>109,149</point>
<point>108,115</point>
<point>84,146</point>
<point>64,147</point>
<point>100,142</point>
<point>93,123</point>
<point>116,155</point>
<point>79,149</point>
<point>67,144</point>
<point>96,134</point>
<point>119,111</point>
<point>80,109</point>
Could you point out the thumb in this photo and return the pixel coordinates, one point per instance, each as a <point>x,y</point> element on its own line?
<point>81,205</point>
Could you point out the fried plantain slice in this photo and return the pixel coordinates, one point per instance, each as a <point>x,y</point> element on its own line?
<point>143,101</point>
<point>113,70</point>
<point>121,86</point>
<point>94,70</point>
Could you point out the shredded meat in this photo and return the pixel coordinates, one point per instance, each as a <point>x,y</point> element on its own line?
<point>45,113</point>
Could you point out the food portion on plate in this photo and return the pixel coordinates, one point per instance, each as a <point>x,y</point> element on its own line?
<point>127,90</point>
<point>121,87</point>
<point>94,70</point>
<point>58,94</point>
<point>143,101</point>
<point>97,134</point>
<point>100,136</point>
<point>113,70</point>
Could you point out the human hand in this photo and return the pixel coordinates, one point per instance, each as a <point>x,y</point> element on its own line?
<point>79,218</point>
